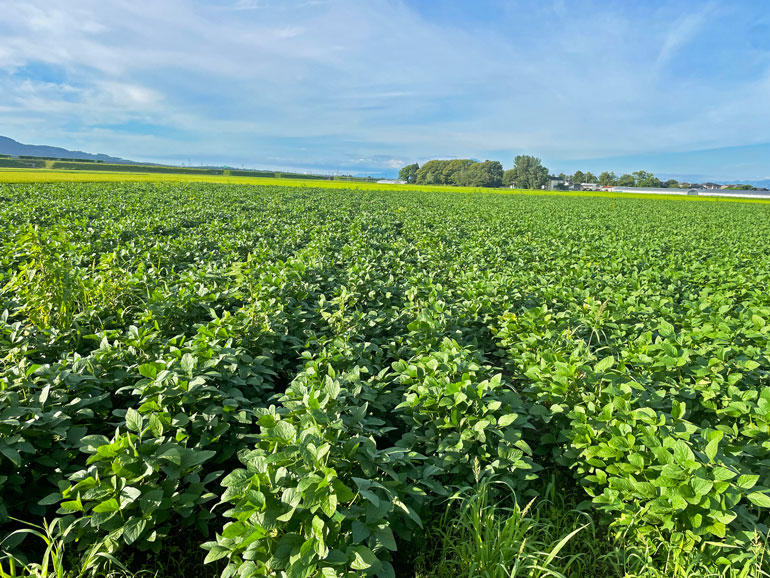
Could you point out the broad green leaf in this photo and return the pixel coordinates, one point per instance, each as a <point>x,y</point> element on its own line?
<point>506,420</point>
<point>362,558</point>
<point>188,363</point>
<point>747,481</point>
<point>110,505</point>
<point>760,499</point>
<point>604,364</point>
<point>712,448</point>
<point>133,529</point>
<point>12,455</point>
<point>133,420</point>
<point>723,474</point>
<point>148,370</point>
<point>700,486</point>
<point>284,431</point>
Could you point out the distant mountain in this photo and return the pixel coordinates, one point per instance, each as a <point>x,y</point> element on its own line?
<point>765,184</point>
<point>8,146</point>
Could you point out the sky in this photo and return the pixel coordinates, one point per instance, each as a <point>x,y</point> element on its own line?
<point>679,88</point>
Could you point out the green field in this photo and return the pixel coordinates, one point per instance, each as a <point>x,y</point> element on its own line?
<point>319,381</point>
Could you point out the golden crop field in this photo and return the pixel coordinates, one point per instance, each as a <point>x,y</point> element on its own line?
<point>64,176</point>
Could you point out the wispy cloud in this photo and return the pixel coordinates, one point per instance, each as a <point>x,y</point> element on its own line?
<point>684,30</point>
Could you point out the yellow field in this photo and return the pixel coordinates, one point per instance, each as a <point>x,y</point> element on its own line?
<point>62,176</point>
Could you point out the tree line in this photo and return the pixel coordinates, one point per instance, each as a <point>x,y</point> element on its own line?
<point>609,179</point>
<point>528,172</point>
<point>460,172</point>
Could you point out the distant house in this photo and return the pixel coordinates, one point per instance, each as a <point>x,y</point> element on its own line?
<point>565,185</point>
<point>711,186</point>
<point>652,190</point>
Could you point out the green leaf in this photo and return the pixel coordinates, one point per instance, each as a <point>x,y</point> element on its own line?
<point>89,444</point>
<point>172,454</point>
<point>384,536</point>
<point>317,526</point>
<point>360,531</point>
<point>362,558</point>
<point>329,505</point>
<point>718,529</point>
<point>216,552</point>
<point>288,545</point>
<point>722,474</point>
<point>285,431</point>
<point>291,497</point>
<point>711,449</point>
<point>129,495</point>
<point>50,499</point>
<point>683,454</point>
<point>150,501</point>
<point>700,486</point>
<point>110,505</point>
<point>506,420</point>
<point>234,530</point>
<point>133,529</point>
<point>156,426</point>
<point>604,364</point>
<point>747,481</point>
<point>72,505</point>
<point>665,328</point>
<point>148,370</point>
<point>12,455</point>
<point>133,420</point>
<point>192,458</point>
<point>678,409</point>
<point>759,499</point>
<point>188,363</point>
<point>386,571</point>
<point>344,493</point>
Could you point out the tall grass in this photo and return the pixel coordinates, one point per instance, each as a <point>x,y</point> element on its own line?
<point>53,562</point>
<point>550,536</point>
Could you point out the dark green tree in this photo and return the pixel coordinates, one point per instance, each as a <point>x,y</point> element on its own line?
<point>508,177</point>
<point>590,178</point>
<point>608,179</point>
<point>494,173</point>
<point>627,181</point>
<point>672,184</point>
<point>529,172</point>
<point>486,174</point>
<point>430,173</point>
<point>645,179</point>
<point>578,177</point>
<point>408,174</point>
<point>443,171</point>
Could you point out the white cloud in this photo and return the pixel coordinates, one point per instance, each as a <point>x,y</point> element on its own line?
<point>374,81</point>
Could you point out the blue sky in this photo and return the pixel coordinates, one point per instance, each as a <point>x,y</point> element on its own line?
<point>680,88</point>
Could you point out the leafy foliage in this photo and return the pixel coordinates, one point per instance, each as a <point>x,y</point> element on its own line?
<point>300,378</point>
<point>528,172</point>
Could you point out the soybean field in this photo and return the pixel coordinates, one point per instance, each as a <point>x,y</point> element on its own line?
<point>237,380</point>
